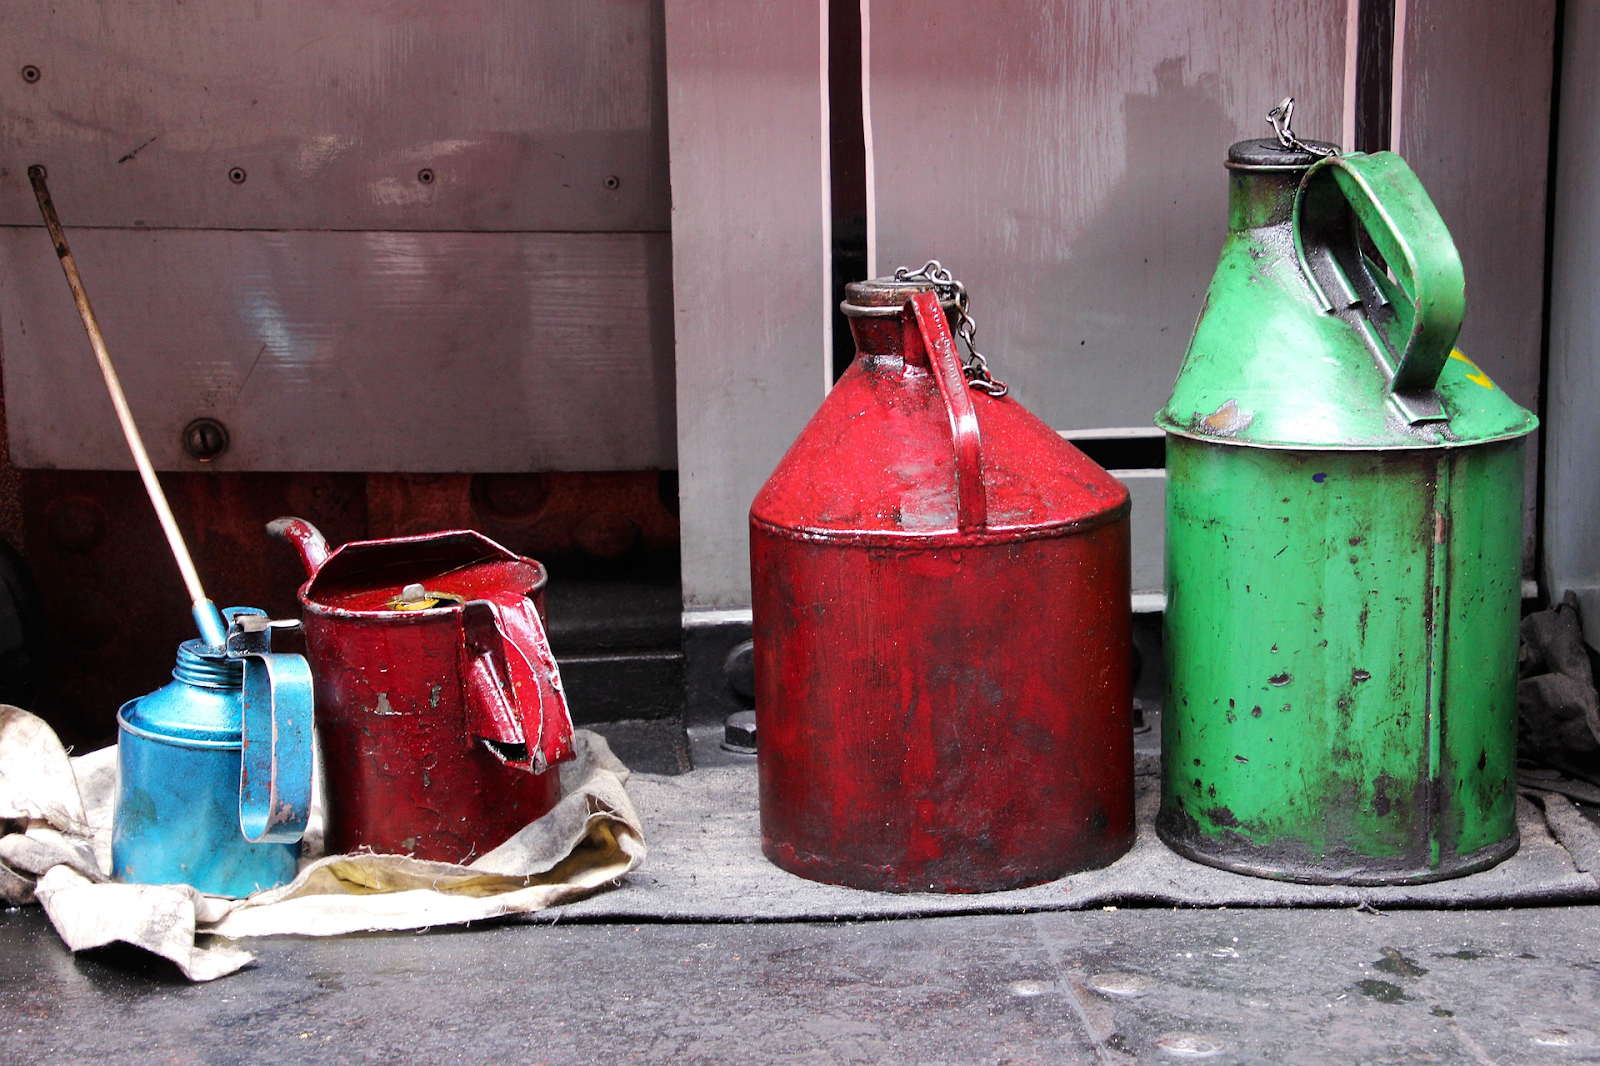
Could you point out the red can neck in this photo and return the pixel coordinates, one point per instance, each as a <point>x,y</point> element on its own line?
<point>883,341</point>
<point>874,309</point>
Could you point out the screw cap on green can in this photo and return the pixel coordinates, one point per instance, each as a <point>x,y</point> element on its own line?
<point>1265,153</point>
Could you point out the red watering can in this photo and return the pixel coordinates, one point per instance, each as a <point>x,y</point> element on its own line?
<point>439,704</point>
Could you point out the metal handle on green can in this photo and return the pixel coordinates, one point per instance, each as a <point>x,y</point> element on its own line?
<point>1427,291</point>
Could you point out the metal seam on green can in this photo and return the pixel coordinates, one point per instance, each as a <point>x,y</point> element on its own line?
<point>1439,595</point>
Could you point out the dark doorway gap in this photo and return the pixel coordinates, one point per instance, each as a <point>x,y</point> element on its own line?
<point>848,168</point>
<point>1542,405</point>
<point>1375,31</point>
<point>1125,453</point>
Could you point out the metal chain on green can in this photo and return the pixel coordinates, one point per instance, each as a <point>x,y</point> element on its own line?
<point>976,367</point>
<point>1282,117</point>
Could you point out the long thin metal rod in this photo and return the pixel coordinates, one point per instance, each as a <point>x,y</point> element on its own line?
<point>206,615</point>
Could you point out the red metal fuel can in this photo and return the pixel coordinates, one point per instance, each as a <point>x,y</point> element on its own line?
<point>438,702</point>
<point>942,627</point>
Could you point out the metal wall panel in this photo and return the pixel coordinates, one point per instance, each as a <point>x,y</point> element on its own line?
<point>347,351</point>
<point>750,270</point>
<point>447,251</point>
<point>1572,458</point>
<point>1147,492</point>
<point>1474,123</point>
<point>530,114</point>
<point>1065,161</point>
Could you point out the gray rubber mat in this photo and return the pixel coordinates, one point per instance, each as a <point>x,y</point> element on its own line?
<point>705,864</point>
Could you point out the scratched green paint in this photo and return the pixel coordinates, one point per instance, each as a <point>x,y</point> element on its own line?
<point>1298,642</point>
<point>1343,583</point>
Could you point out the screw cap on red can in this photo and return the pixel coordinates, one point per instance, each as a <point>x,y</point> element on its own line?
<point>884,297</point>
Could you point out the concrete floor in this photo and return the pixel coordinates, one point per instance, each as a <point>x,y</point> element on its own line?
<point>1112,986</point>
<point>1274,987</point>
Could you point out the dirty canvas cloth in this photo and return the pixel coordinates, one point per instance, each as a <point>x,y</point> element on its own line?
<point>55,828</point>
<point>706,865</point>
<point>1557,704</point>
<point>46,818</point>
<point>1558,708</point>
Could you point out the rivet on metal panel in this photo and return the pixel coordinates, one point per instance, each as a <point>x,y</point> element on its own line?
<point>425,175</point>
<point>509,497</point>
<point>77,524</point>
<point>30,73</point>
<point>1028,988</point>
<point>205,439</point>
<point>606,535</point>
<point>237,175</point>
<point>1189,1045</point>
<point>740,668</point>
<point>739,733</point>
<point>612,182</point>
<point>1117,985</point>
<point>667,490</point>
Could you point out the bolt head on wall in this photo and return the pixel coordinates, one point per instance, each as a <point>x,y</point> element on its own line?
<point>205,439</point>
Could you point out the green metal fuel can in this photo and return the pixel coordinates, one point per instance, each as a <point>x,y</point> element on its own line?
<point>1344,534</point>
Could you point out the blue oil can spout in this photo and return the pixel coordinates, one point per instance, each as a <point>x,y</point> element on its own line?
<point>213,631</point>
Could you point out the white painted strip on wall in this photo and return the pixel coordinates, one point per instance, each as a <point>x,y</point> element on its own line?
<point>866,134</point>
<point>1149,602</point>
<point>1112,433</point>
<point>1352,34</point>
<point>1398,81</point>
<point>725,617</point>
<point>826,158</point>
<point>1143,603</point>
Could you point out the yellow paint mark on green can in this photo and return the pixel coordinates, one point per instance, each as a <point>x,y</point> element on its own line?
<point>1477,374</point>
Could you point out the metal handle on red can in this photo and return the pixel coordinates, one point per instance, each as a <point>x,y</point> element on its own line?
<point>515,704</point>
<point>924,322</point>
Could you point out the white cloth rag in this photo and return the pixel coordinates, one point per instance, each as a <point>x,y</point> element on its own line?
<point>55,847</point>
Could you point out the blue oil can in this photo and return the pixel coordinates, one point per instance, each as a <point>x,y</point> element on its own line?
<point>214,784</point>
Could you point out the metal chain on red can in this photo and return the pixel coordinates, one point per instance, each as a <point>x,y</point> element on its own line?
<point>976,367</point>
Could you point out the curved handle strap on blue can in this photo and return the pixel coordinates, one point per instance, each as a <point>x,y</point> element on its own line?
<point>275,770</point>
<point>1427,293</point>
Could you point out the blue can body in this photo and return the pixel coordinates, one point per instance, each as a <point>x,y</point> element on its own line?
<point>178,813</point>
